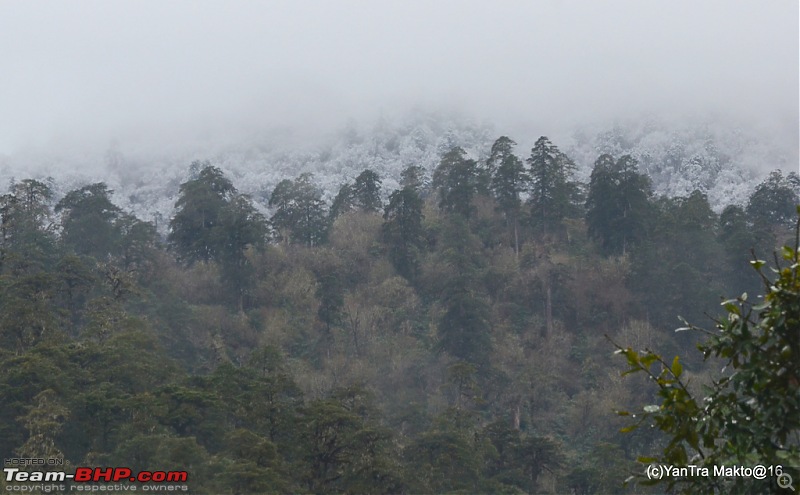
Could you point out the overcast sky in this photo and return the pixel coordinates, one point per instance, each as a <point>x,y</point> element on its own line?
<point>100,70</point>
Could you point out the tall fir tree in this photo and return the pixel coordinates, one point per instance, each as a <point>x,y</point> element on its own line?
<point>300,215</point>
<point>403,231</point>
<point>413,176</point>
<point>457,179</point>
<point>367,191</point>
<point>214,223</point>
<point>26,231</point>
<point>510,180</point>
<point>618,204</point>
<point>88,220</point>
<point>773,201</point>
<point>363,194</point>
<point>553,192</point>
<point>342,202</point>
<point>194,230</point>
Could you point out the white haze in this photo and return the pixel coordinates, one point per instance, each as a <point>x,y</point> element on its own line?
<point>92,71</point>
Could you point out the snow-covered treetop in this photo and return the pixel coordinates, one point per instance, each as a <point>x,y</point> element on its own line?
<point>724,162</point>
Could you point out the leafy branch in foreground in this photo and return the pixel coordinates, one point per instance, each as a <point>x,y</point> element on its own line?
<point>751,414</point>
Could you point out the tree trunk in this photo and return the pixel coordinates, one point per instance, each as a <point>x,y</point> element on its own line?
<point>548,309</point>
<point>355,323</point>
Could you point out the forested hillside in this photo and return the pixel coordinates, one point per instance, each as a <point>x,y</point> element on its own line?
<point>719,158</point>
<point>440,329</point>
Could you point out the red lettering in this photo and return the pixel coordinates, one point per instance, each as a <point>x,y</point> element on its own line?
<point>122,474</point>
<point>83,474</point>
<point>177,476</point>
<point>106,474</point>
<point>109,474</point>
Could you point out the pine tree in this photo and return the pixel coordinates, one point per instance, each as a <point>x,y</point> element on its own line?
<point>456,178</point>
<point>509,182</point>
<point>618,204</point>
<point>552,191</point>
<point>88,221</point>
<point>364,194</point>
<point>502,150</point>
<point>403,231</point>
<point>737,238</point>
<point>194,231</point>
<point>413,176</point>
<point>25,224</point>
<point>214,223</point>
<point>682,254</point>
<point>241,227</point>
<point>343,202</point>
<point>773,201</point>
<point>464,326</point>
<point>300,215</point>
<point>367,191</point>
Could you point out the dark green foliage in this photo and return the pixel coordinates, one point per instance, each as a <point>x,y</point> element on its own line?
<point>403,231</point>
<point>683,255</point>
<point>215,223</point>
<point>255,465</point>
<point>299,212</point>
<point>29,291</point>
<point>773,200</point>
<point>738,237</point>
<point>510,181</point>
<point>76,280</point>
<point>618,204</point>
<point>553,194</point>
<point>194,231</point>
<point>443,461</point>
<point>88,220</point>
<point>44,422</point>
<point>271,405</point>
<point>748,415</point>
<point>464,326</point>
<point>93,226</point>
<point>457,179</point>
<point>25,227</point>
<point>413,176</point>
<point>367,191</point>
<point>32,199</point>
<point>502,150</point>
<point>331,298</point>
<point>346,451</point>
<point>138,240</point>
<point>242,227</point>
<point>734,230</point>
<point>364,194</point>
<point>343,202</point>
<point>28,314</point>
<point>598,471</point>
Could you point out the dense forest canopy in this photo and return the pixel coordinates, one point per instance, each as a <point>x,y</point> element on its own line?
<point>444,335</point>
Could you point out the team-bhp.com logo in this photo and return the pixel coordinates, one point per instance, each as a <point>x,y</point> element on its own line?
<point>95,475</point>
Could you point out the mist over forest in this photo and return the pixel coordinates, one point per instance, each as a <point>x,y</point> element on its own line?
<point>351,247</point>
<point>722,160</point>
<point>140,91</point>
